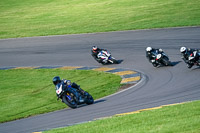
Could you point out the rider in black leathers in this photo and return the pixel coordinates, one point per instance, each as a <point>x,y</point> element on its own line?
<point>95,51</point>
<point>67,83</point>
<point>149,55</point>
<point>186,53</point>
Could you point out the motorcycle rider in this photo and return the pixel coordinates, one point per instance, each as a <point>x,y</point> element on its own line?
<point>149,55</point>
<point>186,53</point>
<point>95,51</point>
<point>67,84</point>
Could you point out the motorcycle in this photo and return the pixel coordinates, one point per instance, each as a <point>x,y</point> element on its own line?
<point>160,58</point>
<point>72,97</point>
<point>106,58</point>
<point>194,59</point>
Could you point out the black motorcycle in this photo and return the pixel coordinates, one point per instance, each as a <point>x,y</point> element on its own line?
<point>160,58</point>
<point>72,97</point>
<point>194,59</point>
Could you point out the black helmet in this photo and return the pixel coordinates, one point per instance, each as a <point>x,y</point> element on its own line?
<point>56,80</point>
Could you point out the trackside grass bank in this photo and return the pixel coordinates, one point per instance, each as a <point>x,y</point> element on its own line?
<point>27,92</point>
<point>26,18</point>
<point>183,118</point>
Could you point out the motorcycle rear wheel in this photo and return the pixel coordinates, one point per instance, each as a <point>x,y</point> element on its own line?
<point>114,61</point>
<point>89,99</point>
<point>166,61</point>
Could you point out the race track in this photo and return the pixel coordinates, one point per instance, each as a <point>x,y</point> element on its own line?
<point>159,86</point>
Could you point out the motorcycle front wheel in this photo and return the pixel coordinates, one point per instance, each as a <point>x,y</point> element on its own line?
<point>69,99</point>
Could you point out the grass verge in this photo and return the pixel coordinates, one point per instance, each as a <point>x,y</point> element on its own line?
<point>27,92</point>
<point>183,118</point>
<point>26,18</point>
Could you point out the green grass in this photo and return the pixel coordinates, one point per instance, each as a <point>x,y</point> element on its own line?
<point>27,92</point>
<point>183,118</point>
<point>25,18</point>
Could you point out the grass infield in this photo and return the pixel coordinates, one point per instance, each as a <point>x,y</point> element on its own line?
<point>27,92</point>
<point>183,118</point>
<point>26,18</point>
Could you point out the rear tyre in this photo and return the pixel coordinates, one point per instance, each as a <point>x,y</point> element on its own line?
<point>89,99</point>
<point>114,61</point>
<point>166,61</point>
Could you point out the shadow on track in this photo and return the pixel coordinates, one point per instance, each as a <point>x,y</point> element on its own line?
<point>95,102</point>
<point>175,63</point>
<point>118,62</point>
<point>99,101</point>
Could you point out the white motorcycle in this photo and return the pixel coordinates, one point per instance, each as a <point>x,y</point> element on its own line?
<point>106,58</point>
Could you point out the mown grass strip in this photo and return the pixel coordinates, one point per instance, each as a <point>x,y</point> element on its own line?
<point>27,92</point>
<point>25,18</point>
<point>181,118</point>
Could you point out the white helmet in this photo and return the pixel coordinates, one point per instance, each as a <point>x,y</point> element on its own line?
<point>182,49</point>
<point>148,49</point>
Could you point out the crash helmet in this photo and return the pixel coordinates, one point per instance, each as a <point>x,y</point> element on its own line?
<point>183,49</point>
<point>56,80</point>
<point>94,48</point>
<point>148,49</point>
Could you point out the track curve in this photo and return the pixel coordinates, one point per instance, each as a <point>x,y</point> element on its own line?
<point>160,86</point>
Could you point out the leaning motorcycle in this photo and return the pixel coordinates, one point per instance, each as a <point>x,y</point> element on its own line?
<point>160,58</point>
<point>71,97</point>
<point>106,58</point>
<point>194,59</point>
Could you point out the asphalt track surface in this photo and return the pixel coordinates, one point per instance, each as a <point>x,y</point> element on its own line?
<point>159,86</point>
